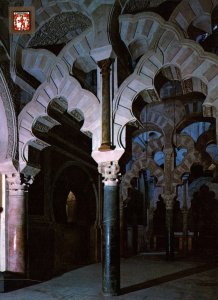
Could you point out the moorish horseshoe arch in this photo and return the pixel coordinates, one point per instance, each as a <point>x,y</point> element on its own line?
<point>60,84</point>
<point>161,118</point>
<point>146,161</point>
<point>185,12</point>
<point>141,32</point>
<point>186,55</point>
<point>137,166</point>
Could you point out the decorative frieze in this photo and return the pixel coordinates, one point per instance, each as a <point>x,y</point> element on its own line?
<point>60,29</point>
<point>9,108</point>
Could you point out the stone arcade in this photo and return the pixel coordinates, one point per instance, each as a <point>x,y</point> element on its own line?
<point>108,136</point>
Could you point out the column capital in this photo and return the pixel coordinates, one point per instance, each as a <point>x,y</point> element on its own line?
<point>104,65</point>
<point>109,171</point>
<point>168,199</point>
<point>18,182</point>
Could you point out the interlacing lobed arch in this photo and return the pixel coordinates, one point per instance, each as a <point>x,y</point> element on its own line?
<point>199,72</point>
<point>166,118</point>
<point>60,84</point>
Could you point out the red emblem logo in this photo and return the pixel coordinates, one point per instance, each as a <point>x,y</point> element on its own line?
<point>22,21</point>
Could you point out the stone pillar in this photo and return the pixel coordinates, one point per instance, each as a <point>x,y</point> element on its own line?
<point>111,230</point>
<point>105,105</point>
<point>185,216</point>
<point>123,228</point>
<point>169,201</point>
<point>168,197</point>
<point>16,220</point>
<point>98,223</point>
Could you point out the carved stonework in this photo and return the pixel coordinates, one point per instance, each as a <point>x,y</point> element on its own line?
<point>58,104</point>
<point>18,182</point>
<point>77,115</point>
<point>134,6</point>
<point>44,124</point>
<point>188,86</point>
<point>41,127</point>
<point>109,171</point>
<point>7,100</point>
<point>60,29</point>
<point>15,183</point>
<point>13,88</point>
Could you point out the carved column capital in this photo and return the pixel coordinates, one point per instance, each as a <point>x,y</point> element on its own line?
<point>104,65</point>
<point>168,200</point>
<point>18,182</point>
<point>109,171</point>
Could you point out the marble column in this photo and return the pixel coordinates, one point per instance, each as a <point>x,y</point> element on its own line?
<point>111,230</point>
<point>185,216</point>
<point>16,224</point>
<point>169,201</point>
<point>98,223</point>
<point>105,105</point>
<point>123,228</point>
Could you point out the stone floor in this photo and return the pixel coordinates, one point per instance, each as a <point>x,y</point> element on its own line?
<point>142,277</point>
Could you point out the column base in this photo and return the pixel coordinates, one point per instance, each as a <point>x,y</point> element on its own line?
<point>10,281</point>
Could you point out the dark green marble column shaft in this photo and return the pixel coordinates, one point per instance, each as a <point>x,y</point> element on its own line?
<point>169,234</point>
<point>111,242</point>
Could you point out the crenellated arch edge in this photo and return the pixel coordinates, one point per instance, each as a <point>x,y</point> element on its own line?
<point>29,157</point>
<point>63,94</point>
<point>145,30</point>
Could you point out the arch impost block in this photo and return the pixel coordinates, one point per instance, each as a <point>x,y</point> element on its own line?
<point>113,155</point>
<point>103,53</point>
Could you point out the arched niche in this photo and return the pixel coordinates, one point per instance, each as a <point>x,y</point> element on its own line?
<point>73,210</point>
